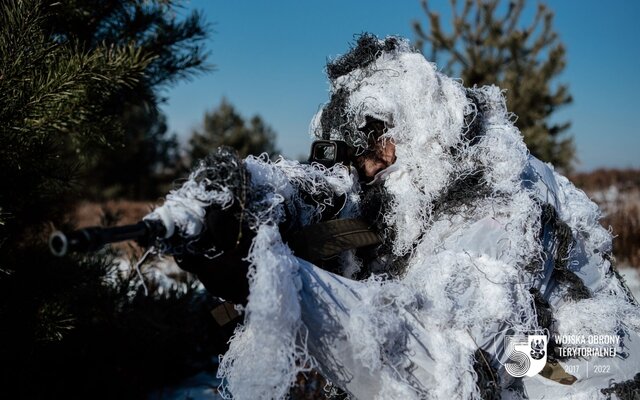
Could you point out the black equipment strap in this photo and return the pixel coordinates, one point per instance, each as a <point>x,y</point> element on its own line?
<point>327,239</point>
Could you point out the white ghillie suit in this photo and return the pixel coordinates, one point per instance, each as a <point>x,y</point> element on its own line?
<point>480,239</point>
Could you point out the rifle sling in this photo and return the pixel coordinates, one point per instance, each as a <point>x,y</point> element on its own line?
<point>328,239</point>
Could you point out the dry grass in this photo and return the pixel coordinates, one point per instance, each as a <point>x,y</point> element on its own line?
<point>601,179</point>
<point>617,192</point>
<point>111,213</point>
<point>626,226</point>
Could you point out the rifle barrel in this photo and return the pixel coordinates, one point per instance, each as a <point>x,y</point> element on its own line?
<point>93,238</point>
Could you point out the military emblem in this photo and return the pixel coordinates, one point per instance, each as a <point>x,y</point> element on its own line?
<point>527,354</point>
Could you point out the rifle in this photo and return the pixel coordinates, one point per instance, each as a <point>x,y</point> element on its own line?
<point>93,238</point>
<point>145,232</point>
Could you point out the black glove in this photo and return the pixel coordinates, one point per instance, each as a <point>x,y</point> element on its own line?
<point>223,271</point>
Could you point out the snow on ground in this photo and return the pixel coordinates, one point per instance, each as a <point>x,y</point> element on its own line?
<point>615,198</point>
<point>161,274</point>
<point>202,386</point>
<point>632,278</point>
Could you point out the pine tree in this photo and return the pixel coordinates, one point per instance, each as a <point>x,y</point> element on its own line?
<point>57,105</point>
<point>76,326</point>
<point>223,126</point>
<point>486,46</point>
<point>144,150</point>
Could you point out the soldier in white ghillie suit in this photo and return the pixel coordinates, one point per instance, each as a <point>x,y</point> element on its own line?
<point>490,278</point>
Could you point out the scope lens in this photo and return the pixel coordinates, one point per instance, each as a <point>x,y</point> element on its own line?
<point>325,152</point>
<point>58,244</point>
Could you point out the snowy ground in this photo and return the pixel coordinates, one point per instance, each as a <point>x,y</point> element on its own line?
<point>632,277</point>
<point>203,386</point>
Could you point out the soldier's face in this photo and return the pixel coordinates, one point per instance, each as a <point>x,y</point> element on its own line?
<point>380,158</point>
<point>392,99</point>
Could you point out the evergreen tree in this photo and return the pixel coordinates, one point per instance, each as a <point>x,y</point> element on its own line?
<point>77,326</point>
<point>486,46</point>
<point>223,126</point>
<point>144,149</point>
<point>57,105</point>
<point>152,26</point>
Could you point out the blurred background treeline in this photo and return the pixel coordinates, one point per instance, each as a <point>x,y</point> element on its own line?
<point>83,141</point>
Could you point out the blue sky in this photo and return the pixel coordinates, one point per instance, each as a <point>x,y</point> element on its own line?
<point>270,55</point>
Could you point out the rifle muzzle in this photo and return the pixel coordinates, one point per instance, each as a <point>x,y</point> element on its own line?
<point>93,238</point>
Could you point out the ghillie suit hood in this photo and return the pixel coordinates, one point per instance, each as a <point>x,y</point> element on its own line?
<point>481,241</point>
<point>445,134</point>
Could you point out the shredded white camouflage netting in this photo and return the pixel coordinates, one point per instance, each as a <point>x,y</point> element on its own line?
<point>268,351</point>
<point>470,268</point>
